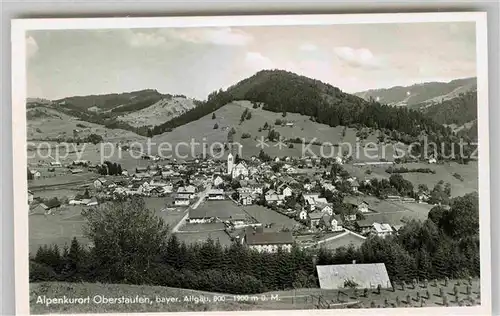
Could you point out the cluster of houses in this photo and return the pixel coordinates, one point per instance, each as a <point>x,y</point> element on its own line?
<point>273,184</point>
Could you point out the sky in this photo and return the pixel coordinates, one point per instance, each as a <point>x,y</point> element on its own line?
<point>197,61</point>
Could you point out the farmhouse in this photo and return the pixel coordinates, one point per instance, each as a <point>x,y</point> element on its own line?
<point>216,194</point>
<point>55,164</point>
<point>332,222</point>
<point>381,230</point>
<point>76,171</point>
<point>270,242</point>
<point>362,276</point>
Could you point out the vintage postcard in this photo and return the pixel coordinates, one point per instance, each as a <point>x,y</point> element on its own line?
<point>283,164</point>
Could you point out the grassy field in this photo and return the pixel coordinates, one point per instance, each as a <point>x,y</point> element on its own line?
<point>469,174</point>
<point>38,155</point>
<point>62,226</point>
<point>56,229</point>
<point>265,215</point>
<point>312,298</point>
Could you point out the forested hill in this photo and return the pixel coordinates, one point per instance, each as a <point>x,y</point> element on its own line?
<point>283,91</point>
<point>459,110</point>
<point>422,93</point>
<point>111,101</point>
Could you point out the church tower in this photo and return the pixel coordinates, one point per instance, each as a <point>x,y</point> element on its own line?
<point>230,163</point>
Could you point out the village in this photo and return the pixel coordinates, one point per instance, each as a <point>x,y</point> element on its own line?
<point>264,205</point>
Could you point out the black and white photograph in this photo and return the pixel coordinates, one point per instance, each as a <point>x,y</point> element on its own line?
<point>252,163</point>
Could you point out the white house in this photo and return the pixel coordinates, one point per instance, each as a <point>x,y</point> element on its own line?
<point>381,230</point>
<point>181,200</point>
<point>432,160</point>
<point>218,181</point>
<point>332,222</point>
<point>363,207</point>
<point>216,194</point>
<point>240,170</point>
<point>287,191</point>
<point>327,209</point>
<point>55,164</point>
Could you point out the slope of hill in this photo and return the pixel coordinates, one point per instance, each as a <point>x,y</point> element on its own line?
<point>283,91</point>
<point>249,133</point>
<point>421,94</point>
<point>159,112</point>
<point>49,123</point>
<point>459,110</point>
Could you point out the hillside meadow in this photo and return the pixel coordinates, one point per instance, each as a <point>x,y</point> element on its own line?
<point>228,116</point>
<point>445,171</point>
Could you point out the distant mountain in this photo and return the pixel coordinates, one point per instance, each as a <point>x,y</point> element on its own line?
<point>283,91</point>
<point>105,102</point>
<point>133,111</point>
<point>160,112</point>
<point>420,95</point>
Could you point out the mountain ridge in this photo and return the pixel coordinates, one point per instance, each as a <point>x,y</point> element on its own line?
<point>420,94</point>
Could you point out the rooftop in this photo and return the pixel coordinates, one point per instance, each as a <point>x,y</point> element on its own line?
<point>368,275</point>
<point>268,238</point>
